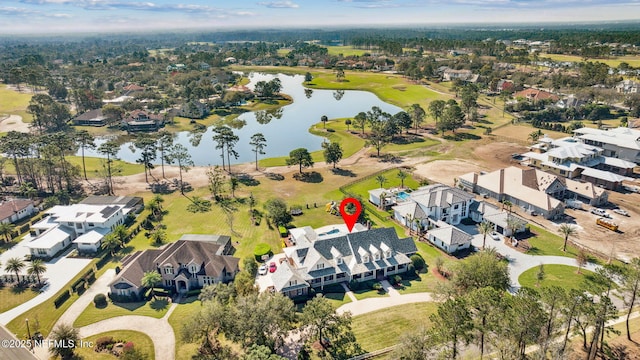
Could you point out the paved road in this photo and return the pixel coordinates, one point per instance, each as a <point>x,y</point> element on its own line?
<point>8,352</point>
<point>361,307</point>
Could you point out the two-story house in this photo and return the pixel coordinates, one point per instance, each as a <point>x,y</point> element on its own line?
<point>437,202</point>
<point>190,263</point>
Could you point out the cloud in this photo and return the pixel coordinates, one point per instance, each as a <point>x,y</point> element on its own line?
<point>14,11</point>
<point>279,4</point>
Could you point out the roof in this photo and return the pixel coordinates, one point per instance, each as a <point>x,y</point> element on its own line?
<point>141,116</point>
<point>604,175</point>
<point>284,275</point>
<point>185,251</point>
<point>451,235</point>
<point>440,195</point>
<point>585,189</point>
<point>621,136</point>
<point>95,115</point>
<point>50,238</point>
<point>619,163</point>
<point>502,219</point>
<point>535,94</point>
<point>126,201</point>
<point>93,237</point>
<point>526,185</point>
<point>410,208</point>
<point>10,207</point>
<point>83,213</point>
<point>133,87</point>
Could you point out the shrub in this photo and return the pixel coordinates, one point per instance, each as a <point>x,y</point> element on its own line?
<point>79,286</point>
<point>260,250</point>
<point>376,286</point>
<point>61,299</point>
<point>354,285</point>
<point>417,261</point>
<point>397,279</point>
<point>100,300</point>
<point>128,346</point>
<point>283,231</point>
<point>195,292</point>
<point>103,342</point>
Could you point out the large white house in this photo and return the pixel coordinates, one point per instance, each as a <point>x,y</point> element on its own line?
<point>322,258</point>
<point>437,202</point>
<point>622,143</point>
<point>87,224</point>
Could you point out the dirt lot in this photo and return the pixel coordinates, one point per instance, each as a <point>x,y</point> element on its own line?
<point>444,171</point>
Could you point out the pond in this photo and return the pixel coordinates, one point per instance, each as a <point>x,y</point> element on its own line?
<point>285,128</point>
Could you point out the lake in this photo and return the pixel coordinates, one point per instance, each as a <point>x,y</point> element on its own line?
<point>285,129</point>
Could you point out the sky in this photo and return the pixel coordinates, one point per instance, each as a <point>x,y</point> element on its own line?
<point>54,16</point>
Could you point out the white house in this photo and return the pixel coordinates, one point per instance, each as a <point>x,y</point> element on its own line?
<point>449,238</point>
<point>622,143</point>
<point>437,202</point>
<point>67,223</point>
<point>382,197</point>
<point>501,220</point>
<point>14,210</point>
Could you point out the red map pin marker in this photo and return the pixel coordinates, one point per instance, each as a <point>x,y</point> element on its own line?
<point>350,219</point>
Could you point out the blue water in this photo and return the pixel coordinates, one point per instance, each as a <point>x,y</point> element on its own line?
<point>334,231</point>
<point>401,195</point>
<point>288,128</point>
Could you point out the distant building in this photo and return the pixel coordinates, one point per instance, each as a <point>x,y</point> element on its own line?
<point>622,143</point>
<point>628,87</point>
<point>91,118</point>
<point>140,120</point>
<point>14,210</point>
<point>176,67</point>
<point>536,95</point>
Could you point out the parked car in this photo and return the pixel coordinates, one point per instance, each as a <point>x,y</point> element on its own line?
<point>272,267</point>
<point>634,189</point>
<point>600,212</point>
<point>495,236</point>
<point>621,212</point>
<point>262,270</point>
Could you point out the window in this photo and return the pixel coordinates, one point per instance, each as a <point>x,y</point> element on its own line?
<point>293,282</point>
<point>78,226</point>
<point>168,270</point>
<point>456,206</point>
<point>320,266</point>
<point>365,259</point>
<point>299,292</point>
<point>167,283</point>
<point>340,276</point>
<point>328,278</point>
<point>193,269</point>
<point>376,256</point>
<point>368,273</point>
<point>339,260</point>
<point>208,280</point>
<point>91,225</point>
<point>387,254</point>
<point>315,281</point>
<point>357,276</point>
<point>391,268</point>
<point>401,266</point>
<point>42,251</point>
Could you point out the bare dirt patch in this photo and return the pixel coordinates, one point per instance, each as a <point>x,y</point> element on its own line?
<point>496,155</point>
<point>444,171</point>
<point>14,123</point>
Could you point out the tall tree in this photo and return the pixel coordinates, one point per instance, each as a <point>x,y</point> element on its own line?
<point>324,120</point>
<point>436,108</point>
<point>277,211</point>
<point>452,324</point>
<point>566,230</point>
<point>147,147</point>
<point>484,228</point>
<point>110,149</point>
<point>417,114</point>
<point>381,179</point>
<point>332,153</point>
<point>150,279</point>
<point>300,157</point>
<point>403,119</point>
<point>402,175</point>
<point>259,142</point>
<point>37,268</point>
<point>360,120</point>
<point>469,99</point>
<point>110,242</point>
<point>480,270</point>
<point>348,123</point>
<point>180,155</point>
<point>15,145</point>
<point>452,117</point>
<point>165,141</point>
<point>6,229</point>
<point>84,140</point>
<point>630,281</point>
<point>486,308</point>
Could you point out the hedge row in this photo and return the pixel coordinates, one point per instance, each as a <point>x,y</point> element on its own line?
<point>79,286</point>
<point>62,298</point>
<point>194,292</point>
<point>103,261</point>
<point>158,292</point>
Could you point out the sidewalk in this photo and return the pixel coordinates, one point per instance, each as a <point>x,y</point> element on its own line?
<point>373,304</point>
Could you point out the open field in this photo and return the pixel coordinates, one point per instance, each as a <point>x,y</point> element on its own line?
<point>140,341</point>
<point>94,167</point>
<point>346,51</point>
<point>92,314</point>
<point>15,103</point>
<point>613,61</point>
<point>520,132</point>
<point>384,328</point>
<point>566,277</point>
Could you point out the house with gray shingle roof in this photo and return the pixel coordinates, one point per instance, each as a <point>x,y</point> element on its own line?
<point>341,257</point>
<point>449,238</point>
<point>190,263</point>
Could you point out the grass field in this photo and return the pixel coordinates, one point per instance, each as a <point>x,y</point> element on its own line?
<point>547,243</point>
<point>11,297</point>
<point>346,51</point>
<point>564,276</point>
<point>14,103</point>
<point>178,318</point>
<point>92,314</point>
<point>383,328</point>
<point>613,61</point>
<point>94,167</point>
<point>140,341</point>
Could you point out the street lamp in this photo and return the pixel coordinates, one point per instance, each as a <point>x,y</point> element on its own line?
<point>29,334</point>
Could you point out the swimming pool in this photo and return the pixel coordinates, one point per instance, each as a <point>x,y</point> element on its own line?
<point>331,232</point>
<point>402,196</point>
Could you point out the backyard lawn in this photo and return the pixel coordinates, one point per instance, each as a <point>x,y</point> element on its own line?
<point>383,328</point>
<point>179,317</point>
<point>11,297</point>
<point>140,341</point>
<point>92,314</point>
<point>564,276</point>
<point>547,243</point>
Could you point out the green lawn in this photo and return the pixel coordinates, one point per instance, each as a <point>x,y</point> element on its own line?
<point>366,292</point>
<point>564,276</point>
<point>383,328</point>
<point>46,314</point>
<point>92,314</point>
<point>612,61</point>
<point>140,341</point>
<point>178,318</point>
<point>346,51</point>
<point>336,295</point>
<point>11,297</point>
<point>547,243</point>
<point>94,167</point>
<point>14,103</point>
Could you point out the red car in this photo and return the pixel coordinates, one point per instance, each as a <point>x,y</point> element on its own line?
<point>272,267</point>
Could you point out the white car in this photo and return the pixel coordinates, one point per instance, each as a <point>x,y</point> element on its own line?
<point>621,212</point>
<point>262,270</point>
<point>599,212</point>
<point>495,236</point>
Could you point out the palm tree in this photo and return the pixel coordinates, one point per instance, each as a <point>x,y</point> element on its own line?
<point>383,198</point>
<point>381,179</point>
<point>324,120</point>
<point>408,221</point>
<point>402,175</point>
<point>14,265</point>
<point>64,334</point>
<point>513,224</point>
<point>37,268</point>
<point>485,229</point>
<point>417,222</point>
<point>534,136</point>
<point>6,229</point>
<point>110,242</point>
<point>121,234</point>
<point>150,280</point>
<point>566,230</point>
<point>508,204</point>
<point>155,206</point>
<point>158,236</point>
